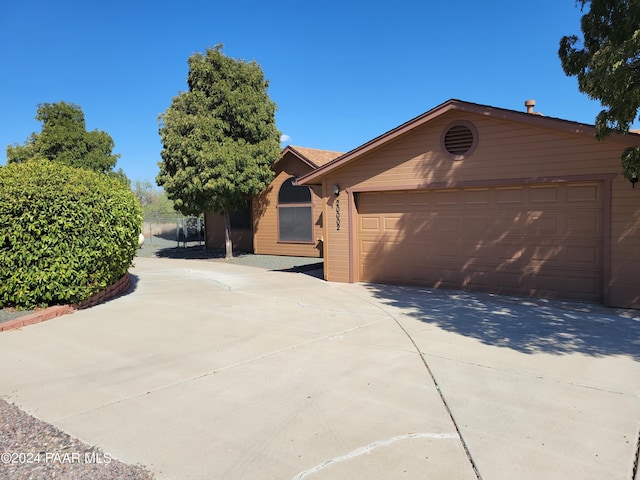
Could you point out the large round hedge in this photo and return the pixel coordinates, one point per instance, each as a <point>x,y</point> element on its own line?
<point>65,233</point>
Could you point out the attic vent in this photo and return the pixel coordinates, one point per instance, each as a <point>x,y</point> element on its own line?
<point>459,139</point>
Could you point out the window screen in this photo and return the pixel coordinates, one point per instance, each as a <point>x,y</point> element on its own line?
<point>295,224</point>
<point>295,213</point>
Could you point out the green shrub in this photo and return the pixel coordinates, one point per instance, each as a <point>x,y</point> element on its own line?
<point>65,233</point>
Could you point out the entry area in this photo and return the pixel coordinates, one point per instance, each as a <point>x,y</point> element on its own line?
<point>543,240</point>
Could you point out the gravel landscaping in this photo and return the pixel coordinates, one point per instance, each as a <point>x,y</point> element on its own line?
<point>31,449</point>
<point>7,314</point>
<point>159,247</point>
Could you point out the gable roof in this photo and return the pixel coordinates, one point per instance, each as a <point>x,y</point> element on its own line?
<point>311,156</point>
<point>566,126</point>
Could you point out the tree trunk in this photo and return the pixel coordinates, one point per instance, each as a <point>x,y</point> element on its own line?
<point>227,235</point>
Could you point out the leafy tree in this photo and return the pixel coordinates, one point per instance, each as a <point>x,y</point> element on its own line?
<point>607,66</point>
<point>152,199</point>
<point>120,176</point>
<point>65,139</point>
<point>219,138</point>
<point>144,192</point>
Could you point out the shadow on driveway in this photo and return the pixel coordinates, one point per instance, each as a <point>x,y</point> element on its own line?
<point>310,265</point>
<point>526,325</point>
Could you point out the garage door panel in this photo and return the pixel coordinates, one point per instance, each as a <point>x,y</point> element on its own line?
<point>418,251</point>
<point>545,286</point>
<point>423,274</point>
<point>520,240</point>
<point>476,225</point>
<point>582,287</point>
<point>392,269</point>
<point>368,201</point>
<point>509,283</point>
<point>582,256</point>
<point>544,223</point>
<point>449,277</point>
<point>477,197</point>
<point>446,224</point>
<point>421,230</point>
<point>544,194</point>
<point>419,198</point>
<point>370,248</point>
<point>508,195</point>
<point>478,280</point>
<point>370,223</point>
<point>586,224</point>
<point>541,255</point>
<point>584,193</point>
<point>508,253</point>
<point>474,250</point>
<point>508,221</point>
<point>393,199</point>
<point>447,251</point>
<point>446,197</point>
<point>392,223</point>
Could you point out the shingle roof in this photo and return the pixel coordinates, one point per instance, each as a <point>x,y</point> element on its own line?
<point>315,156</point>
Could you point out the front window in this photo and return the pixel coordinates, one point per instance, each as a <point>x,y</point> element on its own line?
<point>295,217</point>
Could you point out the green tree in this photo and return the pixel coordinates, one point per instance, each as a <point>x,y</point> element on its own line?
<point>65,139</point>
<point>152,199</point>
<point>219,138</point>
<point>607,65</point>
<point>144,192</point>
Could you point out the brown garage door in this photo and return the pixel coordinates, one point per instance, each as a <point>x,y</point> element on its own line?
<point>540,240</point>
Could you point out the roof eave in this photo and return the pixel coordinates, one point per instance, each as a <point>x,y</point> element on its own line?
<point>297,154</point>
<point>314,177</point>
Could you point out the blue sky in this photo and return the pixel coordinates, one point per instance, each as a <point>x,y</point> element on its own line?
<point>340,72</point>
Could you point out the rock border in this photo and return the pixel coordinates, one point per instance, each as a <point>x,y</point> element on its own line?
<point>118,288</point>
<point>121,286</point>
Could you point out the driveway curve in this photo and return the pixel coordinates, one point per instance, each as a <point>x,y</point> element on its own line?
<point>208,370</point>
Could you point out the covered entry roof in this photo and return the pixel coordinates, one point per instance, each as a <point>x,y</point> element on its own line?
<point>313,157</point>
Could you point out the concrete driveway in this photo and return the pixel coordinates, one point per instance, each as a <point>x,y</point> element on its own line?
<point>208,370</point>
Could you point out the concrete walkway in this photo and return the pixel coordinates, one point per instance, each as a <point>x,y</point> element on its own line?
<point>208,370</point>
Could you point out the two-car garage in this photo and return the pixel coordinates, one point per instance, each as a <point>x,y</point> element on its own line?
<point>541,239</point>
<point>480,198</point>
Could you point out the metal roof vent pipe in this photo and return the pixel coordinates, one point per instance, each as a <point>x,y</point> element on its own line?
<point>530,104</point>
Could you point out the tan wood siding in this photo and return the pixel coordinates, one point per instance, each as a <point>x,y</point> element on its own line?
<point>625,245</point>
<point>505,150</point>
<point>336,259</point>
<point>417,157</point>
<point>265,213</point>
